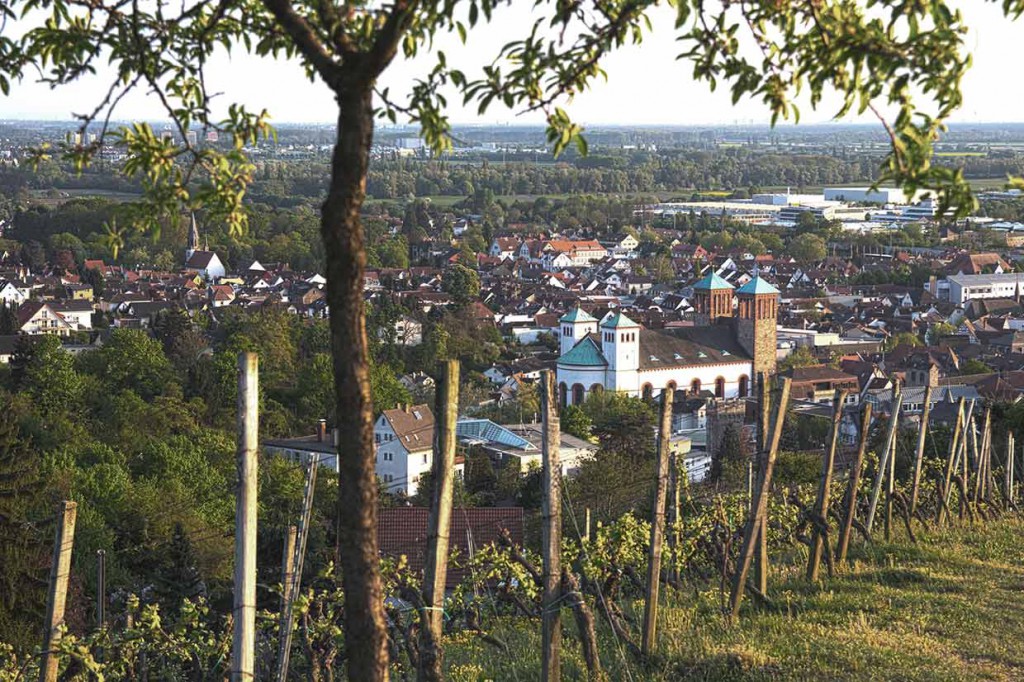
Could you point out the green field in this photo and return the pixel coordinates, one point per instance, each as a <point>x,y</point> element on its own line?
<point>949,608</point>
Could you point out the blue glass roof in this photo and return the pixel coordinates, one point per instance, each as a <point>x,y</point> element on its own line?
<point>486,430</point>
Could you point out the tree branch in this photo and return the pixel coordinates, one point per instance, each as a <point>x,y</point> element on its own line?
<point>306,40</point>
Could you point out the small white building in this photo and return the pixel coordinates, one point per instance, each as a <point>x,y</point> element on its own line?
<point>11,294</point>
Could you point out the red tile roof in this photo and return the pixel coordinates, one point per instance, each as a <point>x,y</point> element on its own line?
<point>403,530</point>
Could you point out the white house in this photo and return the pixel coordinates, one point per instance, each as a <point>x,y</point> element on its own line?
<point>78,314</point>
<point>38,317</point>
<point>11,294</point>
<point>404,439</point>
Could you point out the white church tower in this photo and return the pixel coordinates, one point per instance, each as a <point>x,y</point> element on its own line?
<point>620,345</point>
<point>573,326</point>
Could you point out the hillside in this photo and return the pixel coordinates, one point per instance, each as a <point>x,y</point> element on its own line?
<point>948,608</point>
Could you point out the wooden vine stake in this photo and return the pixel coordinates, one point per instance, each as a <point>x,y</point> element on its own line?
<point>883,460</point>
<point>57,594</point>
<point>919,453</point>
<point>551,532</point>
<point>818,539</point>
<point>243,647</point>
<point>657,526</point>
<point>947,479</point>
<point>756,519</point>
<point>435,573</point>
<point>1008,471</point>
<point>763,424</point>
<point>850,511</point>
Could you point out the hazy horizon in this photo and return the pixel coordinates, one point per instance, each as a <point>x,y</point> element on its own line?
<point>645,86</point>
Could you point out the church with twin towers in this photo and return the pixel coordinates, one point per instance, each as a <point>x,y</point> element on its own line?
<point>732,341</point>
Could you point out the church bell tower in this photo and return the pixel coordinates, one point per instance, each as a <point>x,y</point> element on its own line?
<point>756,324</point>
<point>712,300</point>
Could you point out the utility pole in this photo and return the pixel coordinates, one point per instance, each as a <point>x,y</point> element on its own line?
<point>58,591</point>
<point>657,525</point>
<point>435,573</point>
<point>243,660</point>
<point>551,532</point>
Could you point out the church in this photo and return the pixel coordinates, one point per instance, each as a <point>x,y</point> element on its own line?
<point>724,352</point>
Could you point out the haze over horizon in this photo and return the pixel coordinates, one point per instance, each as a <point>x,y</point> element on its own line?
<point>645,86</point>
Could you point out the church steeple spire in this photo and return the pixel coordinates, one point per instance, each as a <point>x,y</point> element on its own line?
<point>193,239</point>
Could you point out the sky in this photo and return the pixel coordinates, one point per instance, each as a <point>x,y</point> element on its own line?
<point>646,85</point>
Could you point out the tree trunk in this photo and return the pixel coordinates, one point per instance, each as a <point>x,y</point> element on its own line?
<point>342,231</point>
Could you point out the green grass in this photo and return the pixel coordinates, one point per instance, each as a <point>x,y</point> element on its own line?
<point>948,608</point>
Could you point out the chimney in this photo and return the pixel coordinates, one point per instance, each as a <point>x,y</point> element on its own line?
<point>321,430</point>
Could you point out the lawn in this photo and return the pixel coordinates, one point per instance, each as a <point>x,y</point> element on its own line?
<point>948,608</point>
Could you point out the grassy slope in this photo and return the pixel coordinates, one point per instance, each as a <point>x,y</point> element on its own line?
<point>949,608</point>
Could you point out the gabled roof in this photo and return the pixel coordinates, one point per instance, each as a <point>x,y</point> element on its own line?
<point>586,353</point>
<point>756,287</point>
<point>617,320</point>
<point>577,314</point>
<point>200,260</point>
<point>711,282</point>
<point>689,346</point>
<point>413,426</point>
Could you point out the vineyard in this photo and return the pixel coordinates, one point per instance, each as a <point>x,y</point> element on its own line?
<point>865,575</point>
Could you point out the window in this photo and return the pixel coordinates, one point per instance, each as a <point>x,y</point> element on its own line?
<point>695,386</point>
<point>376,438</point>
<point>425,458</point>
<point>720,387</point>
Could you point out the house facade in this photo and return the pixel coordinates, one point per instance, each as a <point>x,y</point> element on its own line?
<point>404,439</point>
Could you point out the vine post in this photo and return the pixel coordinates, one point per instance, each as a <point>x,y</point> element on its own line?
<point>551,540</point>
<point>947,476</point>
<point>243,656</point>
<point>435,573</point>
<point>657,524</point>
<point>919,453</point>
<point>60,571</point>
<point>763,424</point>
<point>756,519</point>
<point>883,460</point>
<point>818,539</point>
<point>850,510</point>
